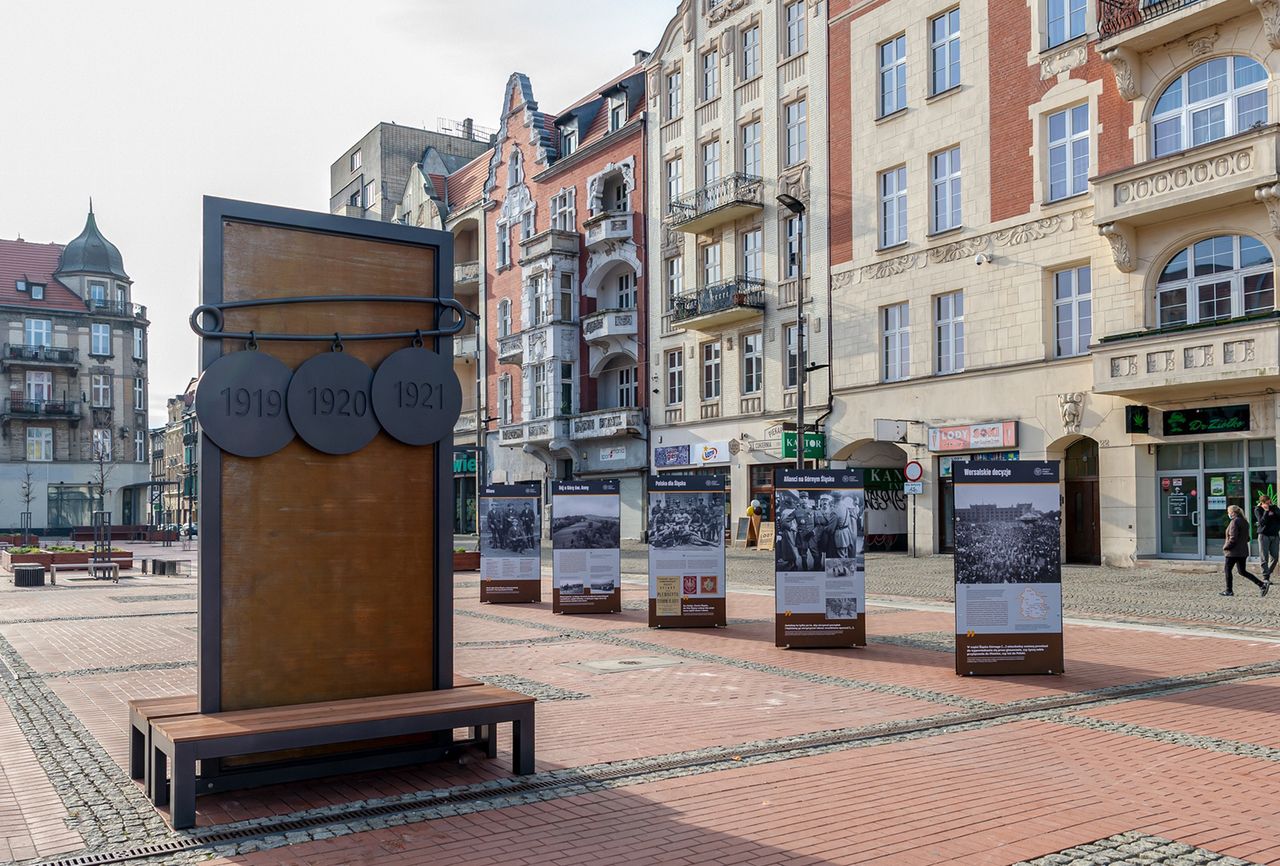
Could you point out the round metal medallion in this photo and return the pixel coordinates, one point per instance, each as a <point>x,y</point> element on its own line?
<point>417,396</point>
<point>241,404</point>
<point>330,405</point>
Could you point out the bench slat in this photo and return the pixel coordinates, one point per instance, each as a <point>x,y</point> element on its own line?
<point>301,716</point>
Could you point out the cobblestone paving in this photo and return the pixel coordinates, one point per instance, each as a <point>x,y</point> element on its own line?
<point>532,688</point>
<point>1134,848</point>
<point>135,599</point>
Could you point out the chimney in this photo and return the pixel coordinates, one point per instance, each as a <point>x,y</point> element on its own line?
<point>640,56</point>
<point>468,128</point>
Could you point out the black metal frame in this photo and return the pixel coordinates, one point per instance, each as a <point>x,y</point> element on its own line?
<point>217,212</point>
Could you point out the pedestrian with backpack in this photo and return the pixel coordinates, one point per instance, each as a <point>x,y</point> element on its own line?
<point>1266,521</point>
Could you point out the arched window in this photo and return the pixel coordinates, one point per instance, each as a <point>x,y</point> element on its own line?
<point>515,173</point>
<point>1216,278</point>
<point>504,318</point>
<point>1218,98</point>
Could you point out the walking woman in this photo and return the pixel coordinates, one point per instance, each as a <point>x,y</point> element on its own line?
<point>1236,549</point>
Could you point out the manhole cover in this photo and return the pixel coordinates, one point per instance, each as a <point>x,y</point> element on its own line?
<point>613,666</point>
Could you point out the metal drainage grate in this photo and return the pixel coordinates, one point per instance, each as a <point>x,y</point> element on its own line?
<point>613,666</point>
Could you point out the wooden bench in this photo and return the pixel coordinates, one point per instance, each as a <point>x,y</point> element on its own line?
<point>93,566</point>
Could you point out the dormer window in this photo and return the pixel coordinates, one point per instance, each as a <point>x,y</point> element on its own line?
<point>568,140</point>
<point>617,113</point>
<point>37,291</point>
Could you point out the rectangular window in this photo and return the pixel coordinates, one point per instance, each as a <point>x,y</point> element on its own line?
<point>504,399</point>
<point>944,51</point>
<point>1069,152</point>
<point>504,318</point>
<point>541,399</point>
<point>753,254</point>
<point>566,298</point>
<point>675,377</point>
<point>752,159</point>
<point>750,53</point>
<point>1066,20</point>
<point>139,343</point>
<point>675,280</point>
<point>566,389</point>
<point>354,199</point>
<point>893,206</point>
<point>794,18</point>
<point>617,113</point>
<point>97,294</point>
<point>945,168</point>
<point>673,95</point>
<point>357,160</point>
<point>102,443</point>
<point>1072,312</point>
<point>563,214</point>
<point>39,386</point>
<point>38,332</point>
<point>710,75</point>
<point>100,339</point>
<point>673,179</point>
<point>752,363</point>
<point>568,140</point>
<point>627,387</point>
<point>893,75</point>
<point>950,332</point>
<point>101,390</point>
<point>711,371</point>
<point>797,133</point>
<point>504,246</point>
<point>796,236</point>
<point>368,194</point>
<point>710,162</point>
<point>527,227</point>
<point>711,264</point>
<point>791,366</point>
<point>37,291</point>
<point>540,299</point>
<point>139,393</point>
<point>40,444</point>
<point>896,323</point>
<point>626,291</point>
<point>139,447</point>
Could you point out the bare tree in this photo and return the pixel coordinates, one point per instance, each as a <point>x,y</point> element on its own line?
<point>103,467</point>
<point>27,491</point>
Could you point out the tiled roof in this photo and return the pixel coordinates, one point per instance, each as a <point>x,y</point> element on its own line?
<point>466,185</point>
<point>36,263</point>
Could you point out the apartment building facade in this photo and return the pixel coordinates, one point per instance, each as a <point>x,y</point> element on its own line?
<point>75,365</point>
<point>1051,239</point>
<point>565,290</point>
<point>175,472</point>
<point>738,108</point>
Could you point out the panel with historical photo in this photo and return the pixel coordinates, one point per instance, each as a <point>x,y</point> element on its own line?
<point>586,522</point>
<point>508,527</point>
<point>1007,533</point>
<point>686,551</point>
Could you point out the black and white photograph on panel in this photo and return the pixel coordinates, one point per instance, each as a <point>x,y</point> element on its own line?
<point>686,520</point>
<point>1007,533</point>
<point>586,522</point>
<point>508,527</point>
<point>813,525</point>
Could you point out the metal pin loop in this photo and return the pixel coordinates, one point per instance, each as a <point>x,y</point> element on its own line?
<point>417,339</point>
<point>337,342</point>
<point>252,345</point>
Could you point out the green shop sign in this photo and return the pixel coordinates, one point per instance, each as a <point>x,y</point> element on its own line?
<point>464,461</point>
<point>815,445</point>
<point>1214,419</point>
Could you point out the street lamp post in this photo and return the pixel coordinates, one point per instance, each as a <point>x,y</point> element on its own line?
<point>796,206</point>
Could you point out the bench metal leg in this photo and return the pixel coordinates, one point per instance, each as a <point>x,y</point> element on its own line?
<point>137,752</point>
<point>158,782</point>
<point>490,740</point>
<point>522,745</point>
<point>182,809</point>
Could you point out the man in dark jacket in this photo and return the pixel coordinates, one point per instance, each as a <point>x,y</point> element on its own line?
<point>1236,549</point>
<point>1266,518</point>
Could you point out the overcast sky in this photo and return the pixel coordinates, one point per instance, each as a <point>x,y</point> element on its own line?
<point>146,106</point>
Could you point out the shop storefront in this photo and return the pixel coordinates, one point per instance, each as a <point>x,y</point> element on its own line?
<point>702,458</point>
<point>1196,481</point>
<point>464,490</point>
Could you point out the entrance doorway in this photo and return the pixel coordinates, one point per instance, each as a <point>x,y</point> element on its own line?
<point>1084,540</point>
<point>1197,482</point>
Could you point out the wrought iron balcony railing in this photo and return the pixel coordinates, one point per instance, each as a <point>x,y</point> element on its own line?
<point>739,293</point>
<point>109,307</point>
<point>1116,16</point>
<point>733,189</point>
<point>42,408</point>
<point>40,354</point>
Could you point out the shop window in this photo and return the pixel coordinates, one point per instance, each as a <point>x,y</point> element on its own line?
<point>1178,456</point>
<point>1224,455</point>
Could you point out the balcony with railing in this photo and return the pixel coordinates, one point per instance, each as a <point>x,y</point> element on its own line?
<point>607,423</point>
<point>715,307</point>
<point>511,349</point>
<point>723,201</point>
<point>24,355</point>
<point>550,242</point>
<point>21,407</point>
<point>541,431</point>
<point>608,324</point>
<point>1140,25</point>
<point>107,307</point>
<point>466,274</point>
<point>607,227</point>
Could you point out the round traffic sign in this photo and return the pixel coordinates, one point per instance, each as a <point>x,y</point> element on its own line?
<point>914,471</point>
<point>330,404</point>
<point>241,404</point>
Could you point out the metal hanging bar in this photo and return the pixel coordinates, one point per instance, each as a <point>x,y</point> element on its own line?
<point>212,330</point>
